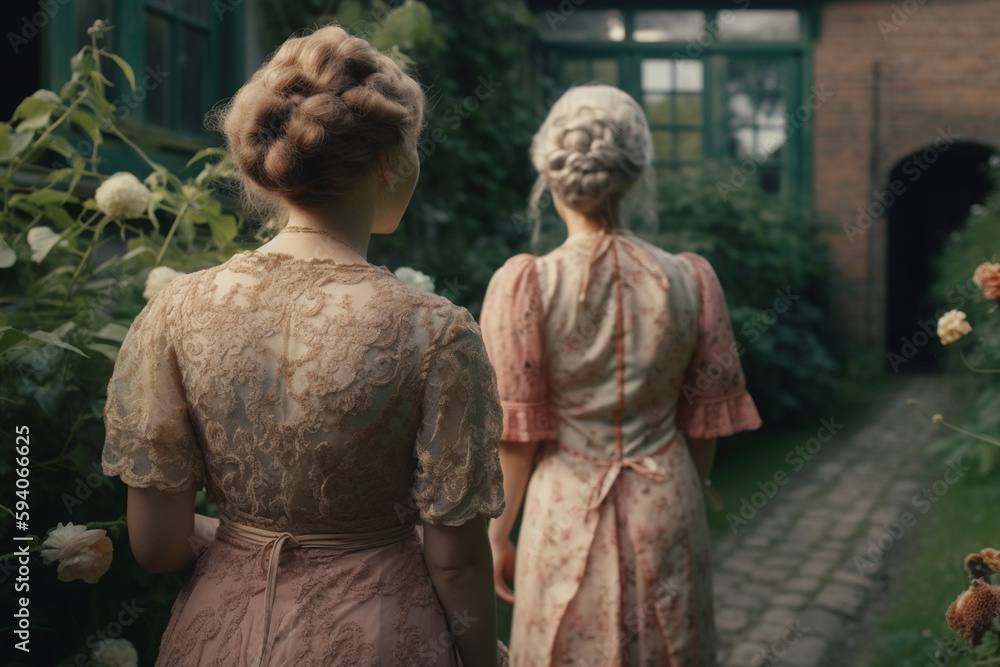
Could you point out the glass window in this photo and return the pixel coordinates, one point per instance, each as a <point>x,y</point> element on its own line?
<point>580,24</point>
<point>756,103</point>
<point>759,25</point>
<point>158,57</point>
<point>667,26</point>
<point>672,94</point>
<point>577,72</point>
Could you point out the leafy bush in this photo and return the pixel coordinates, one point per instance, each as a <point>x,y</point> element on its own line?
<point>977,241</point>
<point>74,273</point>
<point>779,278</point>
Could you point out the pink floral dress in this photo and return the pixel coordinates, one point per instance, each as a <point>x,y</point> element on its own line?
<point>612,351</point>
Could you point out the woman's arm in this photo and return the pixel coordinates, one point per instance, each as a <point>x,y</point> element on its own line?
<point>517,459</point>
<point>460,564</point>
<point>703,455</point>
<point>163,530</point>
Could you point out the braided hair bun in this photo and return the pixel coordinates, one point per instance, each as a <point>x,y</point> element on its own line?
<point>319,115</point>
<point>592,148</point>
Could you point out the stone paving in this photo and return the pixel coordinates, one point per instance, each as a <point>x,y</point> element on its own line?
<point>792,578</point>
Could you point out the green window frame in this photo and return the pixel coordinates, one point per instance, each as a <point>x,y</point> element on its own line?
<point>202,44</point>
<point>771,79</point>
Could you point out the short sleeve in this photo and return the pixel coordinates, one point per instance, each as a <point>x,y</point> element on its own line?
<point>513,322</point>
<point>714,401</point>
<point>458,472</point>
<point>149,440</point>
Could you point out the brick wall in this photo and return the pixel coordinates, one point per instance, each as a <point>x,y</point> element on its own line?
<point>940,68</point>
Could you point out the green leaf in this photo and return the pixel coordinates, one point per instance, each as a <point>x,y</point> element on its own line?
<point>32,107</point>
<point>43,196</point>
<point>223,229</point>
<point>112,331</point>
<point>206,152</point>
<point>4,138</point>
<point>9,337</point>
<point>125,67</point>
<point>63,147</point>
<point>109,351</point>
<point>7,256</point>
<point>57,175</point>
<point>52,339</point>
<point>87,123</point>
<point>59,216</point>
<point>19,141</point>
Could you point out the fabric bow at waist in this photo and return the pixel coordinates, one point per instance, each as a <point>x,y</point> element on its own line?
<point>612,469</point>
<point>338,544</point>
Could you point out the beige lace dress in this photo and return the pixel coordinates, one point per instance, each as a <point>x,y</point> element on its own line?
<point>311,398</point>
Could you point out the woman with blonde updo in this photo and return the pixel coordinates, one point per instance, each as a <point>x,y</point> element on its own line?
<point>617,372</point>
<point>328,407</point>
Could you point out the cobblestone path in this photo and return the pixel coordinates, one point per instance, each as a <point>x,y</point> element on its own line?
<point>790,581</point>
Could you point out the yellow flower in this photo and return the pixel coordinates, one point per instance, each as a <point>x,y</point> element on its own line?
<point>952,326</point>
<point>122,196</point>
<point>937,419</point>
<point>82,554</point>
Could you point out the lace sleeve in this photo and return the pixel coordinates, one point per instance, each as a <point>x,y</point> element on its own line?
<point>458,464</point>
<point>149,440</point>
<point>513,329</point>
<point>714,399</point>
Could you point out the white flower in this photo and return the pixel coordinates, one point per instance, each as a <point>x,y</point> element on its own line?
<point>82,554</point>
<point>158,279</point>
<point>415,278</point>
<point>952,326</point>
<point>122,196</point>
<point>995,161</point>
<point>7,255</point>
<point>42,240</point>
<point>115,653</point>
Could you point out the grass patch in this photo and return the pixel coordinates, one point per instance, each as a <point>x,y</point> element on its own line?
<point>912,628</point>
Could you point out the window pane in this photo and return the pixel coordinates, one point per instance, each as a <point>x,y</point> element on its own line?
<point>689,146</point>
<point>579,72</point>
<point>689,108</point>
<point>671,75</point>
<point>193,61</point>
<point>196,8</point>
<point>663,146</point>
<point>659,108</point>
<point>158,56</point>
<point>759,25</point>
<point>164,3</point>
<point>668,26</point>
<point>690,76</point>
<point>582,25</point>
<point>756,104</point>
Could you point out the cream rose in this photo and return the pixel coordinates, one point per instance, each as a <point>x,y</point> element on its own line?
<point>415,278</point>
<point>952,326</point>
<point>157,279</point>
<point>122,196</point>
<point>82,554</point>
<point>115,653</point>
<point>42,240</point>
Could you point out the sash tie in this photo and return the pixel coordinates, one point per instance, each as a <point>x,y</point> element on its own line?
<point>613,468</point>
<point>273,542</point>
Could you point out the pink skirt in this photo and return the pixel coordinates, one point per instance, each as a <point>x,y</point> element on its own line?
<point>368,608</point>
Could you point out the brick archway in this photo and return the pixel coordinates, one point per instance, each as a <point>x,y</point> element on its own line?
<point>931,193</point>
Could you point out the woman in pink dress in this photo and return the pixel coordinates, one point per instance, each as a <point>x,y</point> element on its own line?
<point>327,406</point>
<point>617,371</point>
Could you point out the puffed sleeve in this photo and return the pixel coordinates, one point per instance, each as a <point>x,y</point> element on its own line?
<point>513,322</point>
<point>714,399</point>
<point>458,472</point>
<point>149,439</point>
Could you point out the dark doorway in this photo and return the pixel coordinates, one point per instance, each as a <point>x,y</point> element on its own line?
<point>937,186</point>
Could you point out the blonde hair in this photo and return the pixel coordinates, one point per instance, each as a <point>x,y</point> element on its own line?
<point>593,147</point>
<point>323,112</point>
